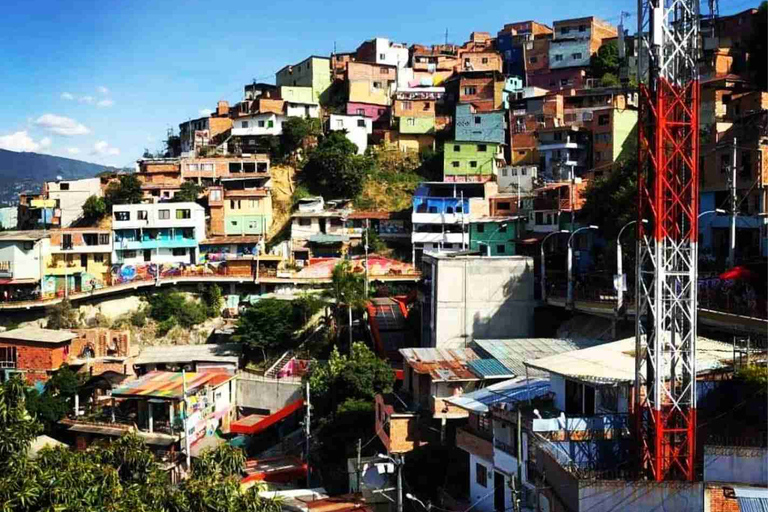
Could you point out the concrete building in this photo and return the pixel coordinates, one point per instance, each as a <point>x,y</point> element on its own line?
<point>262,123</point>
<point>160,178</point>
<point>484,89</point>
<point>205,132</point>
<point>357,129</point>
<point>498,304</point>
<point>157,233</point>
<point>80,261</point>
<point>9,217</point>
<point>576,40</point>
<point>472,161</point>
<point>381,50</point>
<point>241,206</point>
<point>564,152</point>
<point>371,83</point>
<point>495,236</point>
<point>517,177</point>
<point>192,358</point>
<point>480,126</point>
<point>520,42</point>
<point>23,256</point>
<point>417,101</point>
<point>33,353</point>
<point>69,197</point>
<point>379,114</point>
<point>314,72</point>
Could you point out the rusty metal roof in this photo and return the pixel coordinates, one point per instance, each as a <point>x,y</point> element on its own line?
<point>441,364</point>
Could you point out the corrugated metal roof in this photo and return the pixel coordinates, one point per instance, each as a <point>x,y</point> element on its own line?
<point>615,361</point>
<point>37,335</point>
<point>513,353</point>
<point>170,384</point>
<point>509,391</point>
<point>217,353</point>
<point>441,364</point>
<point>489,368</point>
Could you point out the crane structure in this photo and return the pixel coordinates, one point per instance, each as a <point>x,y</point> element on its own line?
<point>665,384</point>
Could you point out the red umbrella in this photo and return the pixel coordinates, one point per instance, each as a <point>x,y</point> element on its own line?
<point>738,273</point>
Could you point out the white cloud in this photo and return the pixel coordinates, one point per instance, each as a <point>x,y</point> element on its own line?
<point>205,112</point>
<point>102,89</point>
<point>103,148</point>
<point>61,125</point>
<point>105,103</point>
<point>86,99</point>
<point>73,151</point>
<point>67,96</point>
<point>21,141</point>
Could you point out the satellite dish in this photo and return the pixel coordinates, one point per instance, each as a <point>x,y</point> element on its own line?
<point>376,476</point>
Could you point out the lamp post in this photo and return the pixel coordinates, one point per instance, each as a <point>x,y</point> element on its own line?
<point>569,298</point>
<point>619,265</point>
<point>487,243</point>
<point>399,462</point>
<point>543,264</point>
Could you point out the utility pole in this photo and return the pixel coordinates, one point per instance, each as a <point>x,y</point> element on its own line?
<point>367,227</point>
<point>446,36</point>
<point>732,246</point>
<point>359,462</point>
<point>307,419</point>
<point>400,464</point>
<point>186,416</point>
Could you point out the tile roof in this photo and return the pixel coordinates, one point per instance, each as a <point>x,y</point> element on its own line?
<point>513,353</point>
<point>225,353</point>
<point>37,335</point>
<point>512,390</point>
<point>170,384</point>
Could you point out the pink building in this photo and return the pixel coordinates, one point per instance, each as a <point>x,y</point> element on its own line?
<point>378,113</point>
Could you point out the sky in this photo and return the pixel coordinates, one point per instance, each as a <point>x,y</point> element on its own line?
<point>102,80</point>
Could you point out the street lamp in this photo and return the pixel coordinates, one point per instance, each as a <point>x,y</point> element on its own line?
<point>544,266</point>
<point>487,243</point>
<point>716,210</point>
<point>619,265</point>
<point>569,299</point>
<point>411,497</point>
<point>399,463</point>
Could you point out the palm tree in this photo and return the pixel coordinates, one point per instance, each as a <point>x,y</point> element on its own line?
<point>347,290</point>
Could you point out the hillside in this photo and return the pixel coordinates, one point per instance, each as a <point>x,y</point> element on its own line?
<point>20,171</point>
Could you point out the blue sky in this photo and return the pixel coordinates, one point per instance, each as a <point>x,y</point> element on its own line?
<point>100,81</point>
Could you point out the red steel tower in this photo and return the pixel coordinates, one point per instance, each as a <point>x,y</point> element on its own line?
<point>665,386</point>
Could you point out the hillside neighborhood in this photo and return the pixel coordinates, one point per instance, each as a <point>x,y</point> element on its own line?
<point>411,277</point>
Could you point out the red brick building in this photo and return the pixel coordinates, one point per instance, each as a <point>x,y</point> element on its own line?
<point>35,353</point>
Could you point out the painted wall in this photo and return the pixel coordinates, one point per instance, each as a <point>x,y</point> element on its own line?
<point>512,177</point>
<point>356,133</point>
<point>479,126</point>
<point>569,53</point>
<point>247,215</point>
<point>415,142</point>
<point>366,92</point>
<point>485,234</point>
<point>469,158</point>
<point>25,263</point>
<point>375,112</point>
<point>261,124</point>
<point>303,110</point>
<point>314,72</point>
<point>9,217</point>
<point>421,125</point>
<point>745,465</point>
<point>297,94</point>
<point>480,494</point>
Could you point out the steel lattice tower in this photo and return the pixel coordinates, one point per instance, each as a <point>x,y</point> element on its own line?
<point>665,386</point>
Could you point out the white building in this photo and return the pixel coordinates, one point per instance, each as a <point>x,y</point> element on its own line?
<point>157,233</point>
<point>393,54</point>
<point>70,196</point>
<point>302,109</point>
<point>517,177</point>
<point>22,256</point>
<point>266,123</point>
<point>358,129</point>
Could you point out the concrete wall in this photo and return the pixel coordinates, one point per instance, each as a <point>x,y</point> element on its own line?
<point>604,496</point>
<point>26,264</point>
<point>479,494</point>
<point>497,301</point>
<point>480,126</point>
<point>745,465</point>
<point>262,393</point>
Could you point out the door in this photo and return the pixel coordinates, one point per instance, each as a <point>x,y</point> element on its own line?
<point>147,255</point>
<point>192,257</point>
<point>322,225</point>
<point>78,283</point>
<point>499,492</point>
<point>84,260</point>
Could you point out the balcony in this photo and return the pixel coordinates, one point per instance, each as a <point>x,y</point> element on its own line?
<point>442,409</point>
<point>601,426</point>
<point>435,238</point>
<point>81,249</point>
<point>439,210</point>
<point>6,269</point>
<point>167,243</point>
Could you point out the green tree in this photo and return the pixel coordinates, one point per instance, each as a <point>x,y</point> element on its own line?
<point>347,292</point>
<point>295,130</point>
<point>605,61</point>
<point>56,399</point>
<point>63,316</point>
<point>125,191</point>
<point>609,80</point>
<point>94,208</point>
<point>266,325</point>
<point>17,427</point>
<point>188,193</point>
<point>334,168</point>
<point>213,300</point>
<point>171,308</point>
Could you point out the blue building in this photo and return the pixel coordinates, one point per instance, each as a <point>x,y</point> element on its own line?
<point>475,126</point>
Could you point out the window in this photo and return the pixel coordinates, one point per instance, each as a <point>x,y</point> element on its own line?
<point>63,186</point>
<point>481,228</point>
<point>473,164</point>
<point>481,475</point>
<point>410,121</point>
<point>384,71</point>
<point>270,124</point>
<point>520,152</point>
<point>485,60</point>
<point>565,30</point>
<point>234,204</point>
<point>724,163</point>
<point>98,258</point>
<point>261,124</point>
<point>564,82</point>
<point>377,85</point>
<point>478,120</point>
<point>407,105</point>
<point>123,216</point>
<point>504,205</point>
<point>381,111</point>
<point>504,173</point>
<point>501,249</point>
<point>103,239</point>
<point>746,164</point>
<point>209,167</point>
<point>609,398</point>
<point>539,218</point>
<point>576,56</point>
<point>215,195</point>
<point>164,214</point>
<point>66,242</point>
<point>193,167</point>
<point>582,28</point>
<point>382,56</point>
<point>180,251</point>
<point>244,124</point>
<point>7,357</point>
<point>514,172</point>
<point>470,91</point>
<point>523,172</point>
<point>579,399</point>
<point>558,135</point>
<point>142,215</point>
<point>425,106</point>
<point>361,123</point>
<point>235,166</point>
<point>249,166</point>
<point>558,57</point>
<point>455,164</point>
<point>360,112</point>
<point>533,60</point>
<point>305,222</point>
<point>482,148</point>
<point>456,148</point>
<point>183,214</point>
<point>129,254</point>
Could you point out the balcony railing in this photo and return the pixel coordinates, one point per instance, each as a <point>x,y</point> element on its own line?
<point>601,426</point>
<point>6,269</point>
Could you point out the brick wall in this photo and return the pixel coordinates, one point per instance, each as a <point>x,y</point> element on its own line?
<point>217,220</point>
<point>715,495</point>
<point>102,342</point>
<point>368,72</point>
<point>37,359</point>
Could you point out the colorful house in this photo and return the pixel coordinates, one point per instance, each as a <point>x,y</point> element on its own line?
<point>471,161</point>
<point>314,72</point>
<point>480,126</point>
<point>495,236</point>
<point>80,261</point>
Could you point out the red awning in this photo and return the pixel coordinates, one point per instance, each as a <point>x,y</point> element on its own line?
<point>247,426</point>
<point>738,273</point>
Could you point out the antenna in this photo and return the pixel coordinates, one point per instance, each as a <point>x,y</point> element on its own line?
<point>446,36</point>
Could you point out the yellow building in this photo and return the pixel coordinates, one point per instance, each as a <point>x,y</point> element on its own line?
<point>80,261</point>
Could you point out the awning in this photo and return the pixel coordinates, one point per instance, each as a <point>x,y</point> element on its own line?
<point>325,239</point>
<point>248,426</point>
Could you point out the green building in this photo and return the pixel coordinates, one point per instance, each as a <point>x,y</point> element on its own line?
<point>475,160</point>
<point>417,125</point>
<point>314,72</point>
<point>498,233</point>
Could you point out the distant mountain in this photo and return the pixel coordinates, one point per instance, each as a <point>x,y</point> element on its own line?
<point>39,168</point>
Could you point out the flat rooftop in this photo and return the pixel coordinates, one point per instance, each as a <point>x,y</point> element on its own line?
<point>37,335</point>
